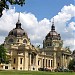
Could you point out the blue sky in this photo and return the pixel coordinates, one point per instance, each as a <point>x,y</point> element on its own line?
<point>44,8</point>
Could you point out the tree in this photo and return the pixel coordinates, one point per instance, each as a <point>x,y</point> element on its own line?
<point>71,65</point>
<point>4,4</point>
<point>3,56</point>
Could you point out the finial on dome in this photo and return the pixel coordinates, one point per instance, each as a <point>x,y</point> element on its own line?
<point>18,24</point>
<point>53,22</point>
<point>53,27</point>
<point>19,18</point>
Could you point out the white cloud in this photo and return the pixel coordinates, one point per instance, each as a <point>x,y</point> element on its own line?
<point>70,43</point>
<point>71,26</point>
<point>69,10</point>
<point>37,30</point>
<point>65,25</point>
<point>2,39</point>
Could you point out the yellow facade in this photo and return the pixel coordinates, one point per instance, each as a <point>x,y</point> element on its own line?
<point>24,56</point>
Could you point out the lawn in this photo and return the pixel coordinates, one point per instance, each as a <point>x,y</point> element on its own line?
<point>34,73</point>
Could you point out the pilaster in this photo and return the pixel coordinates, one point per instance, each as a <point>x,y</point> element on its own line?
<point>26,60</point>
<point>54,60</point>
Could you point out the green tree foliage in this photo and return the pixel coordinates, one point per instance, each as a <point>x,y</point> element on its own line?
<point>4,4</point>
<point>71,65</point>
<point>3,56</point>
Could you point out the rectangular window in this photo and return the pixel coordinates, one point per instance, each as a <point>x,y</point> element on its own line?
<point>6,67</point>
<point>20,60</point>
<point>58,64</point>
<point>14,60</point>
<point>43,63</point>
<point>46,62</point>
<point>49,63</point>
<point>38,62</point>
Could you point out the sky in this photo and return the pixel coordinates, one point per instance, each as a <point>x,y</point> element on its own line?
<point>36,17</point>
<point>44,8</point>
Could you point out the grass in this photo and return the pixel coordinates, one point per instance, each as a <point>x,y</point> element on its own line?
<point>34,73</point>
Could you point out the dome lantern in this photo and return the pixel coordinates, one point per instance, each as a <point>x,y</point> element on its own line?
<point>53,35</point>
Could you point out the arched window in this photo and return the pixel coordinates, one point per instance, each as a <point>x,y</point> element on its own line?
<point>24,41</point>
<point>17,40</point>
<point>23,33</point>
<point>10,40</point>
<point>49,44</point>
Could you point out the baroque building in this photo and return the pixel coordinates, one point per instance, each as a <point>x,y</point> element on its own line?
<point>24,56</point>
<point>53,46</point>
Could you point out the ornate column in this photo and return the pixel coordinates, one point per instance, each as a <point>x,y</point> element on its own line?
<point>54,60</point>
<point>44,60</point>
<point>50,63</point>
<point>35,57</point>
<point>18,63</point>
<point>69,58</point>
<point>63,61</point>
<point>34,61</point>
<point>26,60</point>
<point>10,61</point>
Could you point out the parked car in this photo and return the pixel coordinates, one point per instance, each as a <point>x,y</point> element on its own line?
<point>66,70</point>
<point>44,69</point>
<point>41,69</point>
<point>58,70</point>
<point>62,70</point>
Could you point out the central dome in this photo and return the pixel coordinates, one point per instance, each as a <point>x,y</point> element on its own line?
<point>18,31</point>
<point>53,34</point>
